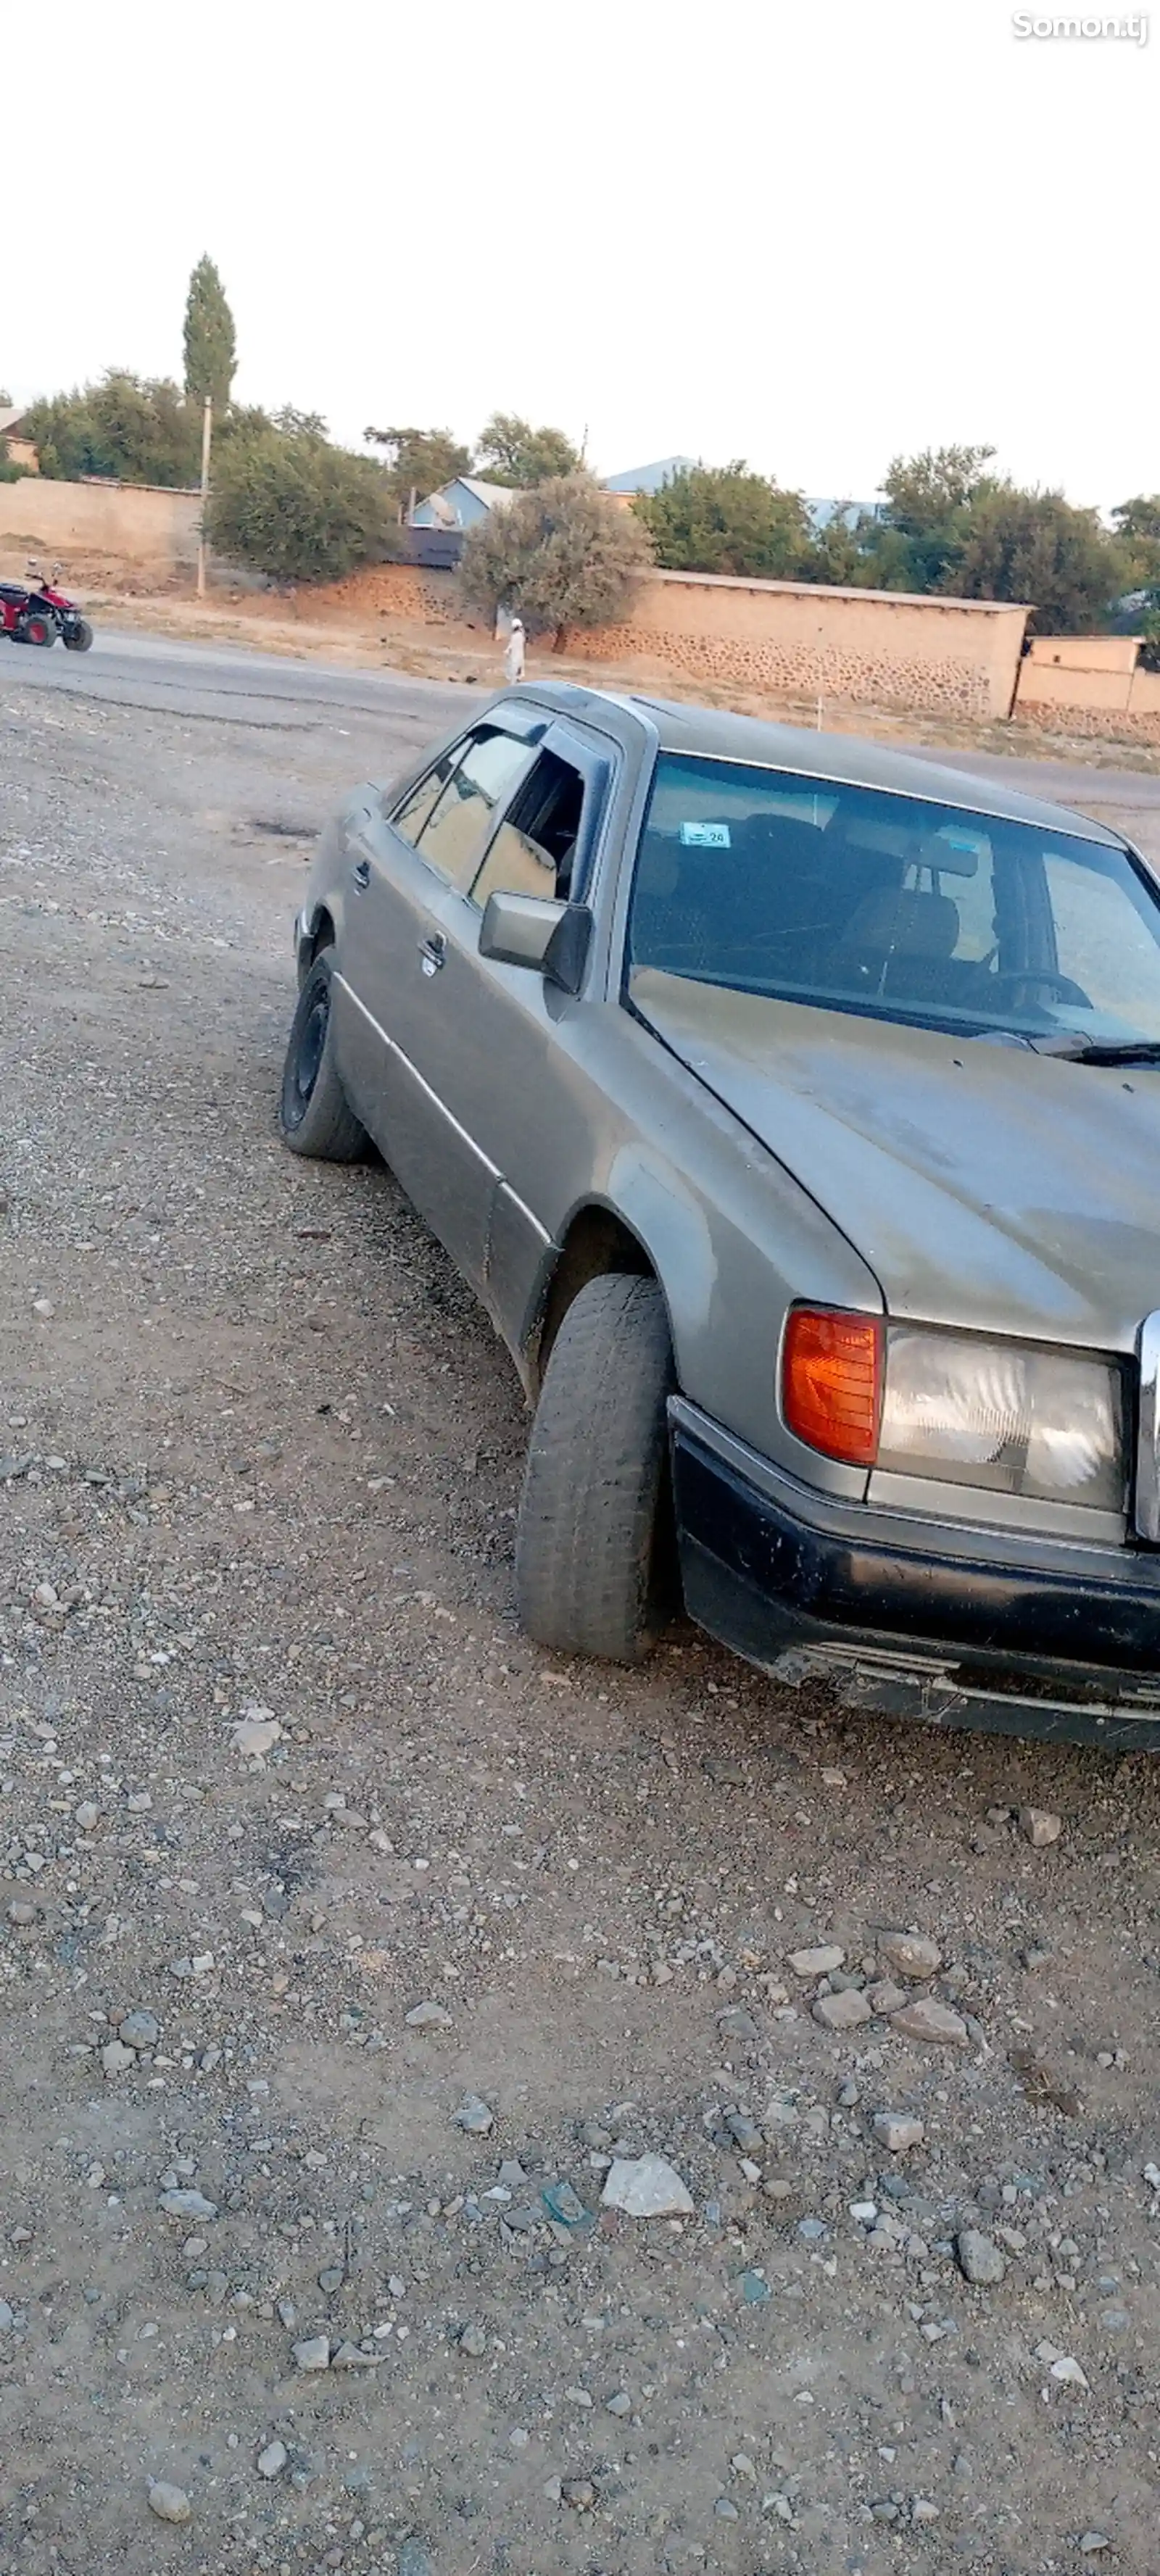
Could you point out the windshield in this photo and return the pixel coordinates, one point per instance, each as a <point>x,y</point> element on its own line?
<point>858,900</point>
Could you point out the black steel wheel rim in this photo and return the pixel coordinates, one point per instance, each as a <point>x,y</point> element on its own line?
<point>309,1052</point>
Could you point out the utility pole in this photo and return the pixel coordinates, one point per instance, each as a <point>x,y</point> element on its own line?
<point>206,437</point>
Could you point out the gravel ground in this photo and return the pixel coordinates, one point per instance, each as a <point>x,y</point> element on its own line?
<point>348,1952</point>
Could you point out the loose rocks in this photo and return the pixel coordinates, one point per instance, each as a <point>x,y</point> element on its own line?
<point>187,2204</point>
<point>927,2020</point>
<point>1039,1827</point>
<point>474,2117</point>
<point>896,2131</point>
<point>170,2504</point>
<point>843,2011</point>
<point>979,2258</point>
<point>817,1963</point>
<point>272,2460</point>
<point>646,2187</point>
<point>139,2030</point>
<point>313,2353</point>
<point>908,1955</point>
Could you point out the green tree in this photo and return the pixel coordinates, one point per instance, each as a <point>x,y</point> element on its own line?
<point>299,424</point>
<point>1036,546</point>
<point>928,499</point>
<point>9,473</point>
<point>1137,525</point>
<point>420,460</point>
<point>211,354</point>
<point>562,555</point>
<point>133,429</point>
<point>512,452</point>
<point>722,518</point>
<point>291,506</point>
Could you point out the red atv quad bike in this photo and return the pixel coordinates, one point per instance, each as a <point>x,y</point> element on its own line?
<point>36,612</point>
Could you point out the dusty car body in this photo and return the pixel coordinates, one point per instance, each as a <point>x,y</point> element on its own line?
<point>839,1066</point>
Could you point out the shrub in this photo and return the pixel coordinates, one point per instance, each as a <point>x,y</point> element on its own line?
<point>564,554</point>
<point>288,504</point>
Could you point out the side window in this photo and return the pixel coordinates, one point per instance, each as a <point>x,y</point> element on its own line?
<point>420,801</point>
<point>1104,938</point>
<point>453,834</point>
<point>535,844</point>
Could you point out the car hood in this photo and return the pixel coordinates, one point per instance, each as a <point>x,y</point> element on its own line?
<point>984,1185</point>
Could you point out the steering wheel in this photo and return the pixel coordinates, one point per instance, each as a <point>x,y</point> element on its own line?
<point>1062,987</point>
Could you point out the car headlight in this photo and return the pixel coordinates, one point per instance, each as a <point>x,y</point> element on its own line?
<point>956,1408</point>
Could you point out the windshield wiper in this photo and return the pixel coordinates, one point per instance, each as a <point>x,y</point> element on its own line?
<point>1083,1050</point>
<point>1072,1044</point>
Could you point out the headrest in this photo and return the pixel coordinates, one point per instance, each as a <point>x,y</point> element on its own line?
<point>905,924</point>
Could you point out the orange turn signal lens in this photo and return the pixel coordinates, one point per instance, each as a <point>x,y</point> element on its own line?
<point>831,1383</point>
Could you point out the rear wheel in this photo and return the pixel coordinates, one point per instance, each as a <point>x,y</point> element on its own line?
<point>591,1551</point>
<point>314,1113</point>
<point>78,637</point>
<point>38,630</point>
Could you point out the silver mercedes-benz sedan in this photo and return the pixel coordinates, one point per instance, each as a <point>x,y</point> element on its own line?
<point>793,1107</point>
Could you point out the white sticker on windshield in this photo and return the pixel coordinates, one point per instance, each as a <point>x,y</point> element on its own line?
<point>705,836</point>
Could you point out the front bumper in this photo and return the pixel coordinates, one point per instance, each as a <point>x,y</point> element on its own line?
<point>959,1626</point>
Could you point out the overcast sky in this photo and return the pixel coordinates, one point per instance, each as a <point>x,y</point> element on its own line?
<point>811,236</point>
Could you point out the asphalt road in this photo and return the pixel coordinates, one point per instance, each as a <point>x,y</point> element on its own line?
<point>269,692</point>
<point>265,690</point>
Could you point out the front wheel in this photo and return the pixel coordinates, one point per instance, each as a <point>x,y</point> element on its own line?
<point>594,1519</point>
<point>78,637</point>
<point>38,630</point>
<point>314,1113</point>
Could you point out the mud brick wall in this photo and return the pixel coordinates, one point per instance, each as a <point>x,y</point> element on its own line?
<point>882,679</point>
<point>1106,724</point>
<point>869,648</point>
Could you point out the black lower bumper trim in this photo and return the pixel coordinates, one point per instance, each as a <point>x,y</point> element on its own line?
<point>1038,1643</point>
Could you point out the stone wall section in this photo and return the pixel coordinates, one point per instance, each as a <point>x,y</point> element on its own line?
<point>944,684</point>
<point>1106,724</point>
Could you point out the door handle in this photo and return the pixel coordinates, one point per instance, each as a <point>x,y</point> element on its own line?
<point>433,953</point>
<point>361,874</point>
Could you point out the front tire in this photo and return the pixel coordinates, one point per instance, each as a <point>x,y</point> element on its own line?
<point>593,1521</point>
<point>78,638</point>
<point>38,630</point>
<point>314,1113</point>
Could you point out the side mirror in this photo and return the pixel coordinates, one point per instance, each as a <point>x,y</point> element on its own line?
<point>529,930</point>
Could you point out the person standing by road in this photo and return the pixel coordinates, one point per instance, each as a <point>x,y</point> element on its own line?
<point>513,660</point>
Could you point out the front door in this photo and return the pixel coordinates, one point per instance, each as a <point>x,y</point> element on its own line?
<point>404,971</point>
<point>494,1051</point>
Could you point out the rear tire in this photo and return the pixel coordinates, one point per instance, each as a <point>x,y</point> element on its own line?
<point>38,630</point>
<point>314,1113</point>
<point>590,1549</point>
<point>80,640</point>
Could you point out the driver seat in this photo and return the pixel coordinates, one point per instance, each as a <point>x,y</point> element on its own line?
<point>900,940</point>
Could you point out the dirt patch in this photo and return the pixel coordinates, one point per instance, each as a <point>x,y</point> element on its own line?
<point>261,1451</point>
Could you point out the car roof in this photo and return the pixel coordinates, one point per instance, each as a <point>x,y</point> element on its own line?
<point>849,759</point>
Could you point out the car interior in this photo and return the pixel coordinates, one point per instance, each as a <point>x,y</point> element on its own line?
<point>535,846</point>
<point>842,907</point>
